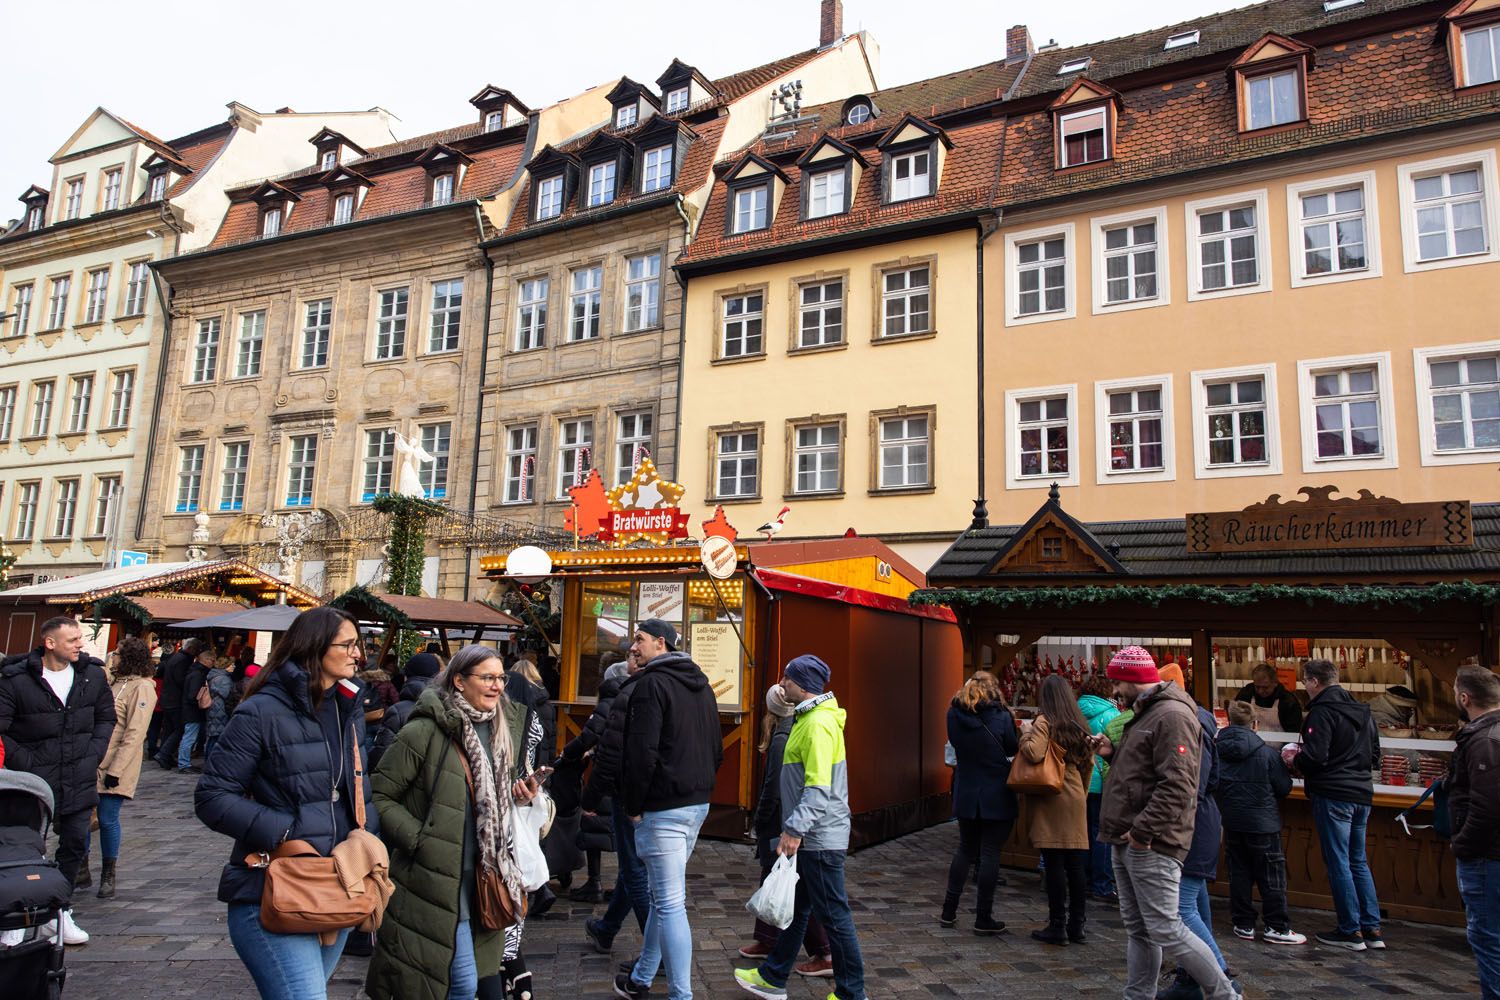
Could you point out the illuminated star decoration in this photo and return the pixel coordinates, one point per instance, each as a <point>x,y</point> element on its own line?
<point>646,491</point>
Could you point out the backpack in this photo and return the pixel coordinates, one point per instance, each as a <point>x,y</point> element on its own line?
<point>205,697</point>
<point>1442,822</point>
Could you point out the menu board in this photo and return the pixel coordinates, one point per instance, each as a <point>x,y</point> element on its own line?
<point>716,648</point>
<point>660,600</point>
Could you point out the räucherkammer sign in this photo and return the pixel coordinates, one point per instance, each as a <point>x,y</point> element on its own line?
<point>1324,522</point>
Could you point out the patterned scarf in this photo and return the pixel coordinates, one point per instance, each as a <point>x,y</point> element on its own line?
<point>492,798</point>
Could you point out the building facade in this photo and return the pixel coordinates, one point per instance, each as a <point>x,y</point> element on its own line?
<point>82,316</point>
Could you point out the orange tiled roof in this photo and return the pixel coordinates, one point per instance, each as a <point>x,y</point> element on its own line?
<point>737,85</point>
<point>196,153</point>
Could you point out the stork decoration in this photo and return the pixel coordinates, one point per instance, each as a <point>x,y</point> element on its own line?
<point>773,528</point>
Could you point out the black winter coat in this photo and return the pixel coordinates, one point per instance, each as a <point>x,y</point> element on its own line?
<point>61,744</point>
<point>521,691</point>
<point>598,720</point>
<point>980,776</point>
<point>1203,856</point>
<point>767,818</point>
<point>673,745</point>
<point>197,676</point>
<point>1340,747</point>
<point>272,773</point>
<point>173,670</point>
<point>395,717</point>
<point>604,777</point>
<point>1474,790</point>
<point>1252,780</point>
<point>1288,708</point>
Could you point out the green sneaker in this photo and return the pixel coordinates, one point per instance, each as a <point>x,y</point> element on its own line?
<point>752,982</point>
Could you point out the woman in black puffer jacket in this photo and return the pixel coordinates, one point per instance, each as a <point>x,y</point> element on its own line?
<point>284,769</point>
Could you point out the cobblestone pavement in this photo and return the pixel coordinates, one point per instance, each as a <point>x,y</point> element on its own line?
<point>163,936</point>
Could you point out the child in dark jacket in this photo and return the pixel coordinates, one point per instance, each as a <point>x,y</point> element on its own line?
<point>1252,781</point>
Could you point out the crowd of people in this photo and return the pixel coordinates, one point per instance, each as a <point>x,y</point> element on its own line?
<point>425,786</point>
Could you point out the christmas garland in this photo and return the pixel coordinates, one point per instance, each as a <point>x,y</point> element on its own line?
<point>1254,593</point>
<point>362,601</point>
<point>123,610</point>
<point>407,544</point>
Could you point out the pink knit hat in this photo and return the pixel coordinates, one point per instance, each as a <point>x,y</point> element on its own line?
<point>1133,665</point>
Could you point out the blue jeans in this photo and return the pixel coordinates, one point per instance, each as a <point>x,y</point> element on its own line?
<point>665,840</point>
<point>1192,906</point>
<point>822,872</point>
<point>284,966</point>
<point>1341,835</point>
<point>109,824</point>
<point>463,974</point>
<point>631,890</point>
<point>1479,885</point>
<point>190,732</point>
<point>1101,861</point>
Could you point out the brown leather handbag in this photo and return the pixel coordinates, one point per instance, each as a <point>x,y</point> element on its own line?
<point>492,900</point>
<point>1045,778</point>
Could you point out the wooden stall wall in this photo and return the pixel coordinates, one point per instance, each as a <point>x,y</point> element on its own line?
<point>942,674</point>
<point>884,734</point>
<point>18,630</point>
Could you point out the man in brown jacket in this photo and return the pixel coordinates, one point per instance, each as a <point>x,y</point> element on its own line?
<point>1474,807</point>
<point>1147,813</point>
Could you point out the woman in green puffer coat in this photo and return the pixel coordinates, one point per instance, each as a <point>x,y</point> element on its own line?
<point>1098,707</point>
<point>431,945</point>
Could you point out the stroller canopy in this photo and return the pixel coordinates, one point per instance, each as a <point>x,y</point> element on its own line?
<point>30,784</point>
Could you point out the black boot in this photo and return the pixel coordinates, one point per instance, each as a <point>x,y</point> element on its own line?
<point>1183,988</point>
<point>541,901</point>
<point>1053,933</point>
<point>82,880</point>
<point>589,892</point>
<point>949,916</point>
<point>107,879</point>
<point>517,979</point>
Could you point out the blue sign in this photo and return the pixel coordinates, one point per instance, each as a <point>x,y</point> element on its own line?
<point>129,558</point>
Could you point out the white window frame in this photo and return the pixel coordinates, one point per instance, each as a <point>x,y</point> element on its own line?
<point>8,396</point>
<point>20,318</point>
<point>903,297</point>
<point>250,344</point>
<point>1100,288</point>
<point>206,339</point>
<point>585,303</point>
<point>1200,379</point>
<point>1260,199</point>
<point>270,221</point>
<point>531,313</point>
<point>59,289</point>
<point>827,194</point>
<point>1012,450</point>
<point>626,115</point>
<point>107,491</point>
<point>435,474</point>
<point>65,508</point>
<point>343,209</point>
<point>906,444</point>
<point>96,296</point>
<point>675,100</point>
<point>739,458</point>
<point>859,112</point>
<point>445,316</point>
<point>43,401</point>
<point>1326,185</point>
<point>377,469</point>
<point>1406,176</point>
<point>1062,141</point>
<point>549,197</point>
<point>603,177</point>
<point>1103,472</point>
<point>818,449</point>
<point>1013,242</point>
<point>156,188</point>
<point>304,472</point>
<point>643,294</point>
<point>1307,404</point>
<point>1422,358</point>
<point>820,309</point>
<point>135,289</point>
<point>329,159</point>
<point>28,505</point>
<point>391,321</point>
<point>741,322</point>
<point>625,462</point>
<point>114,188</point>
<point>656,169</point>
<point>233,479</point>
<point>316,335</point>
<point>442,188</point>
<point>73,207</point>
<point>748,216</point>
<point>1250,80</point>
<point>929,153</point>
<point>516,453</point>
<point>1493,30</point>
<point>190,469</point>
<point>121,396</point>
<point>569,473</point>
<point>80,402</point>
<point>494,121</point>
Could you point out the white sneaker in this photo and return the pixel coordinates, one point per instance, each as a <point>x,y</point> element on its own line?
<point>71,932</point>
<point>1248,933</point>
<point>1287,936</point>
<point>10,939</point>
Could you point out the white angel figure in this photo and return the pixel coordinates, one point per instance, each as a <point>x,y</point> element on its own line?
<point>410,482</point>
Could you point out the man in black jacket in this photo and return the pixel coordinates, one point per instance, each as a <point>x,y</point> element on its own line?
<point>173,671</point>
<point>1340,747</point>
<point>671,757</point>
<point>1276,707</point>
<point>56,717</point>
<point>1474,808</point>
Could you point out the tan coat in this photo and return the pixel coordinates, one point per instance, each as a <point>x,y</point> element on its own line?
<point>1056,821</point>
<point>135,700</point>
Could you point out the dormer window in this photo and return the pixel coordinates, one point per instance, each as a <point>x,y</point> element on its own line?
<point>911,175</point>
<point>656,169</point>
<point>825,193</point>
<point>1181,40</point>
<point>1329,6</point>
<point>1075,65</point>
<point>1272,99</point>
<point>442,189</point>
<point>343,209</point>
<point>1271,80</point>
<point>270,221</point>
<point>34,218</point>
<point>1084,137</point>
<point>858,113</point>
<point>751,208</point>
<point>494,121</point>
<point>626,116</point>
<point>549,198</point>
<point>602,183</point>
<point>676,100</point>
<point>156,186</point>
<point>1481,55</point>
<point>330,159</point>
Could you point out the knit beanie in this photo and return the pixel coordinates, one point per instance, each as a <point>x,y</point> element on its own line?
<point>1172,674</point>
<point>776,702</point>
<point>809,673</point>
<point>1133,665</point>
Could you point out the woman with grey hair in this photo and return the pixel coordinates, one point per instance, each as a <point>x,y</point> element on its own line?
<point>445,789</point>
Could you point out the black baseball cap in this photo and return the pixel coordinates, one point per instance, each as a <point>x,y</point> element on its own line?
<point>661,630</point>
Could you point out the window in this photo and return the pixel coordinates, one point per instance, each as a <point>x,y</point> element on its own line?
<point>330,159</point>
<point>1041,276</point>
<point>249,346</point>
<point>135,289</point>
<point>106,495</point>
<point>28,498</point>
<point>520,463</point>
<point>549,198</point>
<point>447,311</point>
<point>380,463</point>
<point>1329,6</point>
<point>815,458</point>
<point>575,456</point>
<point>642,292</point>
<point>442,189</point>
<point>656,170</point>
<point>1273,99</point>
<point>602,183</point>
<point>1226,246</point>
<point>750,208</point>
<point>820,306</point>
<point>81,400</point>
<point>1044,436</point>
<point>744,319</point>
<point>57,303</point>
<point>737,464</point>
<point>41,408</point>
<point>156,186</point>
<point>20,311</point>
<point>494,121</point>
<point>858,114</point>
<point>1075,65</point>
<point>1465,403</point>
<point>1333,231</point>
<point>1085,137</point>
<point>906,301</point>
<point>905,452</point>
<point>189,478</point>
<point>1450,214</point>
<point>74,206</point>
<point>67,508</point>
<point>1135,430</point>
<point>270,221</point>
<point>301,465</point>
<point>676,100</point>
<point>7,411</point>
<point>910,175</point>
<point>1181,40</point>
<point>626,115</point>
<point>1236,419</point>
<point>583,303</point>
<point>1481,55</point>
<point>825,195</point>
<point>316,328</point>
<point>343,209</point>
<point>98,296</point>
<point>390,324</point>
<point>112,186</point>
<point>531,315</point>
<point>632,443</point>
<point>232,478</point>
<point>1346,407</point>
<point>1130,263</point>
<point>206,351</point>
<point>121,389</point>
<point>437,441</point>
<point>34,218</point>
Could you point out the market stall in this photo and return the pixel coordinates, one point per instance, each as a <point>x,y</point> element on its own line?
<point>447,621</point>
<point>1397,595</point>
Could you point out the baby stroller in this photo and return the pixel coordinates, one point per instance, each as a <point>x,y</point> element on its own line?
<point>32,891</point>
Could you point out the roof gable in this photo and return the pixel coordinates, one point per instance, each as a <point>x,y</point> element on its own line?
<point>102,128</point>
<point>753,165</point>
<point>1270,47</point>
<point>1053,542</point>
<point>493,97</point>
<point>35,193</point>
<point>328,137</point>
<point>345,175</point>
<point>680,72</point>
<point>1086,91</point>
<point>911,128</point>
<point>440,154</point>
<point>830,148</point>
<point>600,144</point>
<point>628,90</point>
<point>270,191</point>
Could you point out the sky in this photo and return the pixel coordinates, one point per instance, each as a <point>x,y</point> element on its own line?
<point>172,66</point>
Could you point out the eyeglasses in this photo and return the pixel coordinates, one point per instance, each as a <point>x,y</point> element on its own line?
<point>349,647</point>
<point>488,680</point>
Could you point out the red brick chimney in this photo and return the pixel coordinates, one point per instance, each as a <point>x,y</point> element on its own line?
<point>831,23</point>
<point>1018,44</point>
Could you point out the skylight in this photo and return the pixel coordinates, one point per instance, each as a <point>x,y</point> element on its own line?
<point>1181,39</point>
<point>1329,6</point>
<point>1075,66</point>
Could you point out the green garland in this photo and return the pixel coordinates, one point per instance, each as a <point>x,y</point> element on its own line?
<point>408,539</point>
<point>122,609</point>
<point>1254,593</point>
<point>364,602</point>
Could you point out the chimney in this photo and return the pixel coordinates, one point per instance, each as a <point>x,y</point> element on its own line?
<point>1018,46</point>
<point>831,23</point>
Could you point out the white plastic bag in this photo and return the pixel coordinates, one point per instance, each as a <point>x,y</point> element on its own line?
<point>526,828</point>
<point>775,901</point>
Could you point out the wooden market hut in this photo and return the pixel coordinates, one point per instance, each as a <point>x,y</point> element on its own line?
<point>399,612</point>
<point>1395,594</point>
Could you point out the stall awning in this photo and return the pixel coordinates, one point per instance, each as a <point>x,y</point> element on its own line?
<point>421,612</point>
<point>156,609</point>
<point>272,618</point>
<point>794,584</point>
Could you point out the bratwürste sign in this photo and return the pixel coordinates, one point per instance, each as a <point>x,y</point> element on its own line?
<point>1323,521</point>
